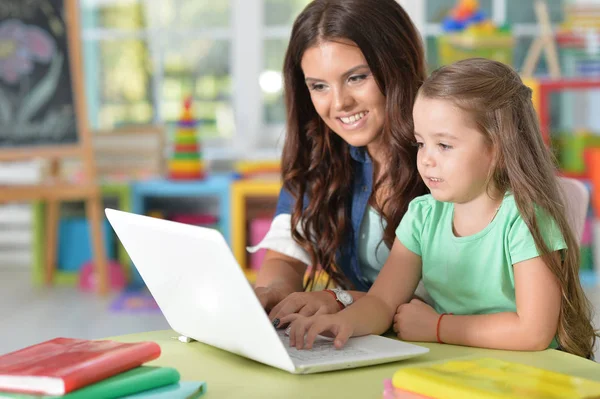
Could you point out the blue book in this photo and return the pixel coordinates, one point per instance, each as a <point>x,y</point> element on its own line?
<point>181,390</point>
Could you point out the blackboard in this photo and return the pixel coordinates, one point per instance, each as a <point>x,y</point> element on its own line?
<point>43,115</point>
<point>37,105</point>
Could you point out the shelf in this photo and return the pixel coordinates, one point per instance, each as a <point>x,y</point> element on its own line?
<point>241,190</point>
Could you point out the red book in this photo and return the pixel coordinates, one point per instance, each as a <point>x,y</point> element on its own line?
<point>62,365</point>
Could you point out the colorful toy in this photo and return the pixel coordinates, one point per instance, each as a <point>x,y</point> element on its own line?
<point>570,146</point>
<point>135,301</point>
<point>470,33</point>
<point>258,169</point>
<point>465,14</point>
<point>186,161</point>
<point>116,277</point>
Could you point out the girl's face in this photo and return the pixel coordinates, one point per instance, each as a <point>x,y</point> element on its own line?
<point>454,158</point>
<point>344,92</point>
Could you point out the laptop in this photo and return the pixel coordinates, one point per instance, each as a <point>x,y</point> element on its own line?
<point>204,295</point>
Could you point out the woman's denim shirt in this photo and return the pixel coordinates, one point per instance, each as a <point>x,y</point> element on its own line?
<point>347,254</point>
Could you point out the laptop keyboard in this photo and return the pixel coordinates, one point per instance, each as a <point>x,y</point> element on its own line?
<point>322,349</point>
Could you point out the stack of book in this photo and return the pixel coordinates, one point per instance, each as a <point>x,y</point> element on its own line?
<point>481,378</point>
<point>78,368</point>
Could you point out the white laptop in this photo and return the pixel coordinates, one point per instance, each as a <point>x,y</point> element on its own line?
<point>204,294</point>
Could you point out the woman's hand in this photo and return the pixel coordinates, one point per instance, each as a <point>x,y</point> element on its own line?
<point>304,330</point>
<point>416,321</point>
<point>305,304</point>
<point>268,297</point>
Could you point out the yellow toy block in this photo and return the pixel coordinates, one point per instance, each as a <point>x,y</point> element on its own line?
<point>184,166</point>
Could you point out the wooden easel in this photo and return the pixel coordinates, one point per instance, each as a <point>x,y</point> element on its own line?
<point>543,42</point>
<point>52,190</point>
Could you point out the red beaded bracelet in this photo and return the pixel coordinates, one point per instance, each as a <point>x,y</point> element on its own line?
<point>437,330</point>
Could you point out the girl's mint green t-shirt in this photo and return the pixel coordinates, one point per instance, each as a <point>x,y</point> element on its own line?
<point>472,275</point>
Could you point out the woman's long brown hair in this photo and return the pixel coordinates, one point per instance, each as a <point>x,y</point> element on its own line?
<point>316,164</point>
<point>494,95</point>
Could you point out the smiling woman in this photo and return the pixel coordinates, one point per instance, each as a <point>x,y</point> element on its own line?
<point>351,72</point>
<point>345,93</point>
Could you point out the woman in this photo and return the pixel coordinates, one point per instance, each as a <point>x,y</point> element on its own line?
<point>351,73</point>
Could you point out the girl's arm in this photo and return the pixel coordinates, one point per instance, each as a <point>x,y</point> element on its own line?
<point>395,284</point>
<point>371,314</point>
<point>531,327</point>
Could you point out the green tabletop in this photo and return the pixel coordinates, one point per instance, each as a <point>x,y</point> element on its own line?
<point>231,376</point>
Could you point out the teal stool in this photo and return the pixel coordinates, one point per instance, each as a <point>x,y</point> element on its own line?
<point>216,186</point>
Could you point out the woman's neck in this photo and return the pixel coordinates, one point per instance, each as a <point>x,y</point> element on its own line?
<point>473,216</point>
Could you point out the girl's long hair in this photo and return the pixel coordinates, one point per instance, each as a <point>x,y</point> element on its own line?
<point>494,95</point>
<point>316,164</point>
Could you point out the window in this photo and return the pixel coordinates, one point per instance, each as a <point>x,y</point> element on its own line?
<point>117,64</point>
<point>279,16</point>
<point>142,57</point>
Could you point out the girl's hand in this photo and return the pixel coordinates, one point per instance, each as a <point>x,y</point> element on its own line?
<point>304,330</point>
<point>416,321</point>
<point>305,304</point>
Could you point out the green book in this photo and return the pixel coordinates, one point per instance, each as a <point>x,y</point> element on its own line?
<point>130,382</point>
<point>181,390</point>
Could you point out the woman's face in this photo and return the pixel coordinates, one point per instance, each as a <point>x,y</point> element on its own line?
<point>344,92</point>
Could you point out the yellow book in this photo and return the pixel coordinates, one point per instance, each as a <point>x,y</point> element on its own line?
<point>485,378</point>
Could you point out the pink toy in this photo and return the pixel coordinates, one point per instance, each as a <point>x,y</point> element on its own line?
<point>116,277</point>
<point>391,392</point>
<point>258,230</point>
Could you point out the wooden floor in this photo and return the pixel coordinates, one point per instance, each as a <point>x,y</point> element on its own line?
<point>31,314</point>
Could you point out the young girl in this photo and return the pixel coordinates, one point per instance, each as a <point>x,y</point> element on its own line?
<point>491,242</point>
